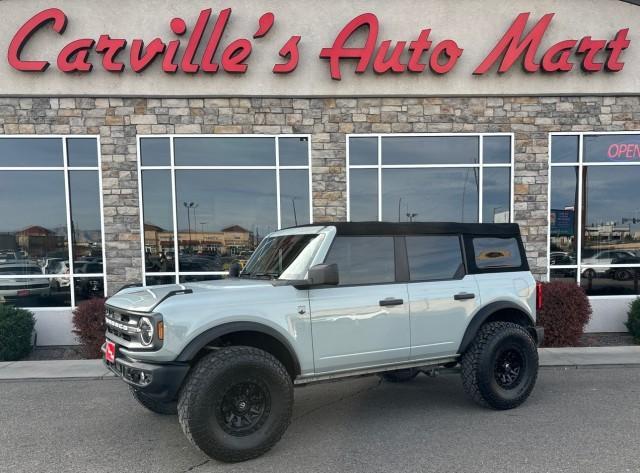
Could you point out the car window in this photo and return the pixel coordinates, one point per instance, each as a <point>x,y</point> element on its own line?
<point>434,257</point>
<point>363,259</point>
<point>496,253</point>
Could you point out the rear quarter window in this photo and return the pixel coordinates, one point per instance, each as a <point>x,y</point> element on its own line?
<point>497,253</point>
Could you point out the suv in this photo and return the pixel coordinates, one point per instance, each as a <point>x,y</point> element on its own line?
<point>328,301</point>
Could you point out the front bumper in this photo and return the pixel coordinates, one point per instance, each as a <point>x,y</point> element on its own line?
<point>158,381</point>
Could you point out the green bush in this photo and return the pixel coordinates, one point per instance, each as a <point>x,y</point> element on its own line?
<point>16,329</point>
<point>633,324</point>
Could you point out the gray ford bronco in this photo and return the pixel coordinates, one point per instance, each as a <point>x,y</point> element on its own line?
<point>327,301</point>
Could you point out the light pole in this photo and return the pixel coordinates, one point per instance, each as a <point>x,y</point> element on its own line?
<point>295,216</point>
<point>189,206</point>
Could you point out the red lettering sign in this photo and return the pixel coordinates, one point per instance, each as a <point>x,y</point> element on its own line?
<point>623,151</point>
<point>386,56</point>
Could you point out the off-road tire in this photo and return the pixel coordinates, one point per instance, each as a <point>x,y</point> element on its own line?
<point>400,376</point>
<point>481,366</point>
<point>159,407</point>
<point>210,389</point>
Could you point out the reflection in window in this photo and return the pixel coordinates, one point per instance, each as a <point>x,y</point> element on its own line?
<point>496,253</point>
<point>563,221</point>
<point>430,150</point>
<point>433,258</point>
<point>564,148</point>
<point>363,260</point>
<point>606,258</point>
<point>430,178</point>
<point>411,195</point>
<point>222,213</point>
<point>40,218</point>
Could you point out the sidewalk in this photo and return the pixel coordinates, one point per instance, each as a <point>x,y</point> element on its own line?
<point>94,369</point>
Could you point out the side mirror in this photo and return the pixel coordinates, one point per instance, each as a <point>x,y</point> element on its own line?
<point>320,275</point>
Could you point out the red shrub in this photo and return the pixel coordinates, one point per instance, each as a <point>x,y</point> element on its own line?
<point>88,320</point>
<point>564,314</point>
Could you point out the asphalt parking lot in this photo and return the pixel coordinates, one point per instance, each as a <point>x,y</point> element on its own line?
<point>577,420</point>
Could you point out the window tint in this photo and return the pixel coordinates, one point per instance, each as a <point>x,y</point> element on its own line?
<point>434,257</point>
<point>363,260</point>
<point>496,253</point>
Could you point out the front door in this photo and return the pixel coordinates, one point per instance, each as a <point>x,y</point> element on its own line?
<point>365,320</point>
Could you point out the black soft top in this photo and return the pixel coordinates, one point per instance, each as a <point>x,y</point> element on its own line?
<point>422,228</point>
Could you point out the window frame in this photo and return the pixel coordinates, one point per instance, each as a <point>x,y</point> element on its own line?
<point>65,168</point>
<point>580,164</point>
<point>480,165</point>
<point>172,167</point>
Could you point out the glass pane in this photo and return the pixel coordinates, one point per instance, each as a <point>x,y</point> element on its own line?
<point>294,151</point>
<point>36,292</point>
<point>363,195</point>
<point>223,214</point>
<point>496,253</point>
<point>563,225</point>
<point>564,275</point>
<point>88,288</point>
<point>159,280</point>
<point>33,227</point>
<point>31,152</point>
<point>496,195</point>
<point>86,230</point>
<point>187,278</point>
<point>436,195</point>
<point>158,221</point>
<point>353,255</point>
<point>225,151</point>
<point>82,152</point>
<point>564,148</point>
<point>363,151</point>
<point>155,152</point>
<point>610,281</point>
<point>434,258</point>
<point>611,214</point>
<point>496,149</point>
<point>294,197</point>
<point>611,148</point>
<point>430,150</point>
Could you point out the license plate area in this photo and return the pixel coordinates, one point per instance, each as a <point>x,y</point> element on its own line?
<point>110,352</point>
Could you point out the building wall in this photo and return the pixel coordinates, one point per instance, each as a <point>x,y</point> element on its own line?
<point>119,120</point>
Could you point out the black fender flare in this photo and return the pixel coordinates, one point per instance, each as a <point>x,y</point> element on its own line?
<point>208,336</point>
<point>483,315</point>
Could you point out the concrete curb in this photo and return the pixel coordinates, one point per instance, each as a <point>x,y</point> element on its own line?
<point>95,369</point>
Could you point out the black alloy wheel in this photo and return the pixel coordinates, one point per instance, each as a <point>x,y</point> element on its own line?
<point>244,408</point>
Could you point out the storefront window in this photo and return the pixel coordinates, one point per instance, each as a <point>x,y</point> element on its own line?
<point>51,239</point>
<point>594,236</point>
<point>209,202</point>
<point>403,178</point>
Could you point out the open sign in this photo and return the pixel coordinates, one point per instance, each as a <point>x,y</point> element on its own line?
<point>624,151</point>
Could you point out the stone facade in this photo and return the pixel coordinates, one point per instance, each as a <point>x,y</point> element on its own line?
<point>118,120</point>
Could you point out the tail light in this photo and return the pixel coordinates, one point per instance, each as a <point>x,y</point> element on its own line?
<point>538,295</point>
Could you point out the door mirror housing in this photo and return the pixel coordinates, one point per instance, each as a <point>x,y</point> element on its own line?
<point>320,275</point>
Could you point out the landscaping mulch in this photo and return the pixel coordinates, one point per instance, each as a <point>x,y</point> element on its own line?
<point>606,339</point>
<point>68,352</point>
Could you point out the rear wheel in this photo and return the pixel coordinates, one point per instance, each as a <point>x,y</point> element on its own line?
<point>236,403</point>
<point>159,407</point>
<point>500,368</point>
<point>400,376</point>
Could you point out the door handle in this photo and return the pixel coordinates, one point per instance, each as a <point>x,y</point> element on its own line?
<point>391,301</point>
<point>464,296</point>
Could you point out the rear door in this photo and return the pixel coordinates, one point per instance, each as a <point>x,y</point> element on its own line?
<point>442,296</point>
<point>364,321</point>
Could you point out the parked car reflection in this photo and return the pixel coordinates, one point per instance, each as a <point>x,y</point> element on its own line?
<point>13,288</point>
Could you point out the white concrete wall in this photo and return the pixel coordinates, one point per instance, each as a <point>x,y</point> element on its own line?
<point>609,314</point>
<point>54,327</point>
<point>476,25</point>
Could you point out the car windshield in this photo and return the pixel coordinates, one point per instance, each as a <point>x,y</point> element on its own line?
<point>285,257</point>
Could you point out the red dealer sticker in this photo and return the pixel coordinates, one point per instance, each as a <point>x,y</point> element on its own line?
<point>110,353</point>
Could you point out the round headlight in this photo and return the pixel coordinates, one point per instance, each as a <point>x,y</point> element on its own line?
<point>146,331</point>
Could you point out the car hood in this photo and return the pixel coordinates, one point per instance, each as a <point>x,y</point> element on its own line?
<point>146,299</point>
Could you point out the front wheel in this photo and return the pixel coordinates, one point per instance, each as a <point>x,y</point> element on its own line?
<point>500,368</point>
<point>236,403</point>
